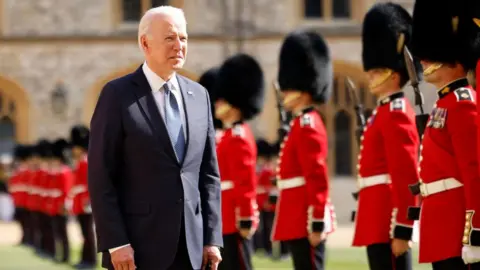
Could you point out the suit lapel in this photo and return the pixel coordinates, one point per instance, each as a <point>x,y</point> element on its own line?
<point>188,99</point>
<point>149,108</point>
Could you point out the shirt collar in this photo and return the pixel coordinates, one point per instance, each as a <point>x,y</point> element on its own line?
<point>156,82</point>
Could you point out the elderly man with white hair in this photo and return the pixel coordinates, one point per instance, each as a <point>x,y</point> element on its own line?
<point>153,175</point>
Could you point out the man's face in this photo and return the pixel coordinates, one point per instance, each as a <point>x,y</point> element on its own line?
<point>432,71</point>
<point>166,43</point>
<point>381,81</point>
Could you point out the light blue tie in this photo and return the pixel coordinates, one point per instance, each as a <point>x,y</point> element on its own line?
<point>173,120</point>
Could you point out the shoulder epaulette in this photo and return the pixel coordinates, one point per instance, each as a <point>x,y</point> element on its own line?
<point>238,131</point>
<point>306,120</point>
<point>397,105</point>
<point>463,94</point>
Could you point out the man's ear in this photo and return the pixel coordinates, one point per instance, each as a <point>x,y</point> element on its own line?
<point>144,43</point>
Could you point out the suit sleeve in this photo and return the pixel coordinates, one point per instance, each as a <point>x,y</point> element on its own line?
<point>243,162</point>
<point>401,145</point>
<point>463,131</point>
<point>104,149</point>
<point>209,187</point>
<point>312,151</point>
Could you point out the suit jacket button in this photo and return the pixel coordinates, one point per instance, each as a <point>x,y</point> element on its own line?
<point>180,200</point>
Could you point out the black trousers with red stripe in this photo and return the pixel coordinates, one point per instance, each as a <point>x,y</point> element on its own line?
<point>380,257</point>
<point>306,257</point>
<point>236,253</point>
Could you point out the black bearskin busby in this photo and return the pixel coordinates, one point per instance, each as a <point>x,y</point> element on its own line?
<point>208,80</point>
<point>439,34</point>
<point>264,149</point>
<point>305,65</point>
<point>21,152</point>
<point>241,83</point>
<point>387,28</point>
<point>79,136</point>
<point>473,27</point>
<point>44,148</point>
<point>58,149</point>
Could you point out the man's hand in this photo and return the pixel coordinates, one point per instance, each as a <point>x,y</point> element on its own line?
<point>470,254</point>
<point>122,259</point>
<point>400,246</point>
<point>315,238</point>
<point>247,233</point>
<point>211,254</point>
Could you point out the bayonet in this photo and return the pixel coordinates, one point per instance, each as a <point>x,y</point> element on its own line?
<point>352,91</point>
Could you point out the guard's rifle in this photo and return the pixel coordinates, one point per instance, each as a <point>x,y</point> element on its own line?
<point>352,91</point>
<point>420,121</point>
<point>284,126</point>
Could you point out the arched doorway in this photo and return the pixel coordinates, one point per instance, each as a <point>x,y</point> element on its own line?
<point>343,143</point>
<point>93,93</point>
<point>340,117</point>
<point>14,115</point>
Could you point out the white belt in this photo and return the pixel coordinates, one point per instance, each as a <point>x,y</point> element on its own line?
<point>441,185</point>
<point>226,185</point>
<point>373,181</point>
<point>291,182</point>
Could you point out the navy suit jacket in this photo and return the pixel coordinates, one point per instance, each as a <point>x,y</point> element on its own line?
<point>138,190</point>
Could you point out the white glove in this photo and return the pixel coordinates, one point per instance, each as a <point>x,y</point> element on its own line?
<point>69,205</point>
<point>470,254</point>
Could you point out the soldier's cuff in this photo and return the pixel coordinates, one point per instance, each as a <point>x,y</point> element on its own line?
<point>399,230</point>
<point>314,224</point>
<point>273,196</point>
<point>245,224</point>
<point>471,235</point>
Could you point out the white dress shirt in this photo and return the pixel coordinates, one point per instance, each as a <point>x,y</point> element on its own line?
<point>156,84</point>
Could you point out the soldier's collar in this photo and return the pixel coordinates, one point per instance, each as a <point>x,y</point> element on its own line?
<point>391,97</point>
<point>452,86</point>
<point>304,110</point>
<point>230,125</point>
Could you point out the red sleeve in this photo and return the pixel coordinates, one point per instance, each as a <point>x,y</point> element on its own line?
<point>462,128</point>
<point>243,161</point>
<point>312,151</point>
<point>401,144</point>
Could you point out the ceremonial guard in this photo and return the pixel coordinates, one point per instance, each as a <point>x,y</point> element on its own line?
<point>18,189</point>
<point>79,195</point>
<point>61,182</point>
<point>449,173</point>
<point>208,80</point>
<point>265,176</point>
<point>387,163</point>
<point>304,215</point>
<point>240,94</point>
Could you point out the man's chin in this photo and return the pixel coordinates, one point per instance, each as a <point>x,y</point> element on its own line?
<point>178,64</point>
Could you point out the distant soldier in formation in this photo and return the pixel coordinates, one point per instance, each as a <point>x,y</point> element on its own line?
<point>449,173</point>
<point>387,163</point>
<point>240,94</point>
<point>79,195</point>
<point>61,182</point>
<point>304,215</point>
<point>208,80</point>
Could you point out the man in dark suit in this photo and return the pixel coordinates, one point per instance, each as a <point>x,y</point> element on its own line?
<point>153,174</point>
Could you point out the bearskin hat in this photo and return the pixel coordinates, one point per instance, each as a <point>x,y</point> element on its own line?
<point>44,148</point>
<point>305,65</point>
<point>79,136</point>
<point>241,83</point>
<point>439,35</point>
<point>208,80</point>
<point>387,28</point>
<point>21,152</point>
<point>58,149</point>
<point>472,24</point>
<point>264,149</point>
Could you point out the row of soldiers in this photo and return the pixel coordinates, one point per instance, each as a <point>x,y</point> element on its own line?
<point>46,190</point>
<point>406,162</point>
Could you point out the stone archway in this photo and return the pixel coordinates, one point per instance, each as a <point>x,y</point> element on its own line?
<point>93,93</point>
<point>14,113</point>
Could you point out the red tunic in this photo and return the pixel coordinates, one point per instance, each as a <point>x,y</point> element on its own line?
<point>34,202</point>
<point>447,156</point>
<point>79,192</point>
<point>18,187</point>
<point>264,186</point>
<point>61,184</point>
<point>303,204</point>
<point>387,165</point>
<point>237,153</point>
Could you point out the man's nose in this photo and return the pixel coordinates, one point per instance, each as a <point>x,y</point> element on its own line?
<point>178,44</point>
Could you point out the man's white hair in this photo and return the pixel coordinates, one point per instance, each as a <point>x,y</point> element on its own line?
<point>146,21</point>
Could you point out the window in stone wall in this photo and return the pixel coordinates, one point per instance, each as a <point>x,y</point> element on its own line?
<point>327,9</point>
<point>132,10</point>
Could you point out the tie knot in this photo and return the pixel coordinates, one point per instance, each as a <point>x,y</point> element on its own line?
<point>166,87</point>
